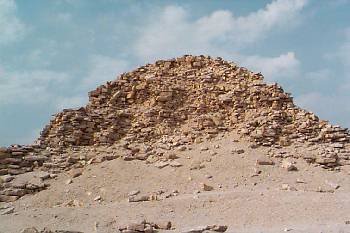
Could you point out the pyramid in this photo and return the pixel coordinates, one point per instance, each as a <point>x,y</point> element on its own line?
<point>171,104</point>
<point>190,98</point>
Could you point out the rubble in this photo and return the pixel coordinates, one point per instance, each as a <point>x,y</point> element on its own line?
<point>145,227</point>
<point>35,230</point>
<point>209,228</point>
<point>288,165</point>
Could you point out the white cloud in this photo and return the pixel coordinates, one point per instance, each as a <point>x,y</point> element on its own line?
<point>29,87</point>
<point>273,68</point>
<point>172,33</point>
<point>328,106</point>
<point>344,50</point>
<point>50,87</point>
<point>321,75</point>
<point>11,27</point>
<point>63,17</point>
<point>103,69</point>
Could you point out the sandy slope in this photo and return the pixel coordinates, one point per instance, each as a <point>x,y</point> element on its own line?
<point>244,202</point>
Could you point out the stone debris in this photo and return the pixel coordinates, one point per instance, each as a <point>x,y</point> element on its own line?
<point>76,172</point>
<point>133,193</point>
<point>175,164</point>
<point>210,228</point>
<point>287,187</point>
<point>288,165</point>
<point>264,161</point>
<point>146,227</point>
<point>21,185</point>
<point>35,230</point>
<point>196,165</point>
<point>139,198</point>
<point>8,210</point>
<point>206,187</point>
<point>332,184</point>
<point>169,105</point>
<point>161,164</point>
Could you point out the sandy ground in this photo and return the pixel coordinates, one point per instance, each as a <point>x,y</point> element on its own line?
<point>241,200</point>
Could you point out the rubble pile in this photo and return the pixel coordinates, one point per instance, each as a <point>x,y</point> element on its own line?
<point>18,159</point>
<point>189,99</point>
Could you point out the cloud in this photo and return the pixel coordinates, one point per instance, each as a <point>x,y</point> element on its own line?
<point>41,86</point>
<point>274,68</point>
<point>30,87</point>
<point>63,17</point>
<point>321,75</point>
<point>103,69</point>
<point>10,25</point>
<point>172,32</point>
<point>343,52</point>
<point>328,106</point>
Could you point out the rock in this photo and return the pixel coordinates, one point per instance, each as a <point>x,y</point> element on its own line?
<point>332,184</point>
<point>163,225</point>
<point>38,158</point>
<point>138,227</point>
<point>43,175</point>
<point>239,151</point>
<point>217,228</point>
<point>338,145</point>
<point>139,198</point>
<point>76,172</point>
<point>196,165</point>
<point>161,164</point>
<point>5,198</point>
<point>7,178</point>
<point>30,230</point>
<point>210,228</point>
<point>287,187</point>
<point>98,198</point>
<point>324,190</point>
<point>172,156</point>
<point>9,210</point>
<point>206,187</point>
<point>133,193</point>
<point>69,181</point>
<point>14,192</point>
<point>175,164</point>
<point>182,148</point>
<point>322,160</point>
<point>288,165</point>
<point>264,161</point>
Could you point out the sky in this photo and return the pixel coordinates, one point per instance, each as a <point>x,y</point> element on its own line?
<point>53,52</point>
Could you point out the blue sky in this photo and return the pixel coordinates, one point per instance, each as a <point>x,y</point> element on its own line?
<point>53,52</point>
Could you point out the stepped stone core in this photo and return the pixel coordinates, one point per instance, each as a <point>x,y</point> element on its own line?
<point>178,102</point>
